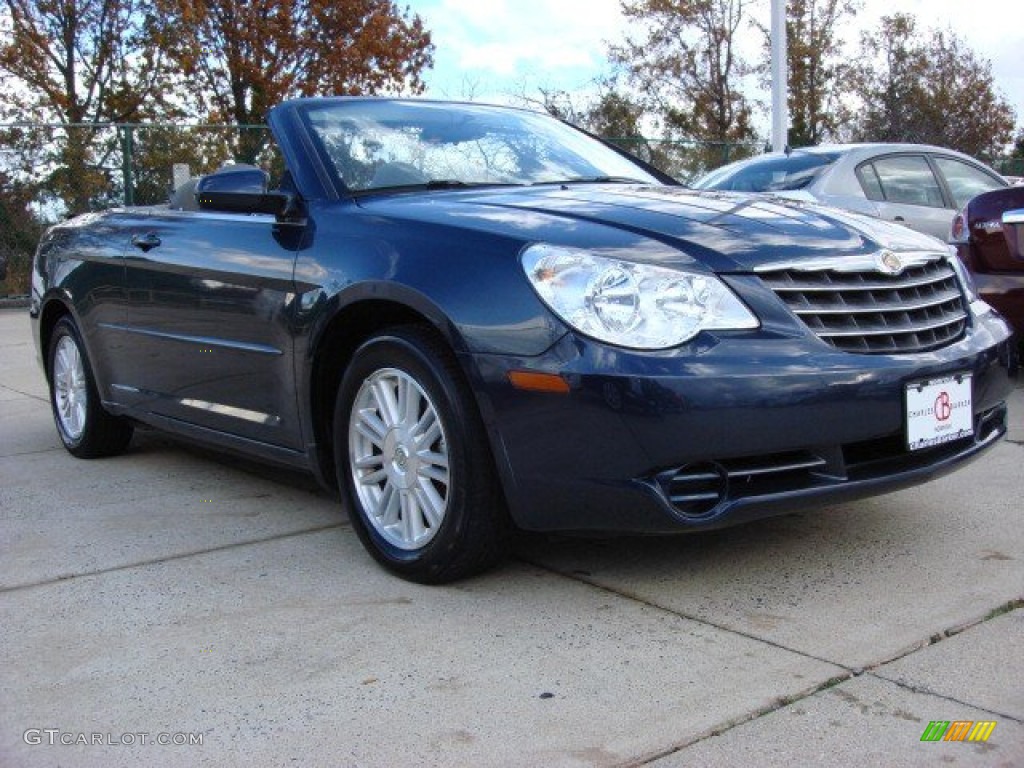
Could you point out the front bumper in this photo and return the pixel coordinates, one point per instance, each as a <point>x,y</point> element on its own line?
<point>729,429</point>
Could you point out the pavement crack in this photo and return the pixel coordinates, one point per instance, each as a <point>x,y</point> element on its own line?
<point>849,672</point>
<point>170,558</point>
<point>24,394</point>
<point>31,453</point>
<point>720,729</point>
<point>681,614</point>
<point>938,637</point>
<point>924,690</point>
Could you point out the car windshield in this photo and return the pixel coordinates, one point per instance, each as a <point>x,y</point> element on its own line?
<point>377,145</point>
<point>772,173</point>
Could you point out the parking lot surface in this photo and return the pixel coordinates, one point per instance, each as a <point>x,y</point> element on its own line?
<point>177,607</point>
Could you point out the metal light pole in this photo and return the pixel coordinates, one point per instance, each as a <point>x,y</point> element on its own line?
<point>780,111</point>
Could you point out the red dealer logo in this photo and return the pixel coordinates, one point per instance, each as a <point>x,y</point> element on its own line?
<point>943,406</point>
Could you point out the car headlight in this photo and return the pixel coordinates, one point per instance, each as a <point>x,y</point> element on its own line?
<point>639,306</point>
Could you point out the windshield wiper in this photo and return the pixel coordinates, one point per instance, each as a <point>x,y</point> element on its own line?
<point>457,184</point>
<point>430,185</point>
<point>596,180</point>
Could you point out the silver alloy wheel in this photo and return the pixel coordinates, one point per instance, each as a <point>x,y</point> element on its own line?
<point>398,456</point>
<point>70,393</point>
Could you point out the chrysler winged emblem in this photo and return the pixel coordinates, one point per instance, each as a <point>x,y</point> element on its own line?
<point>888,263</point>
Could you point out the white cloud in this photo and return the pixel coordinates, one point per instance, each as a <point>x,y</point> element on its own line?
<point>503,41</point>
<point>498,47</point>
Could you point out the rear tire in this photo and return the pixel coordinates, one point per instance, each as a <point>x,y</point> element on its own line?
<point>85,428</point>
<point>413,461</point>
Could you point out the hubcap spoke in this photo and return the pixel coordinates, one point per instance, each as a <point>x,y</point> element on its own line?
<point>427,429</point>
<point>430,502</point>
<point>371,427</point>
<point>390,507</point>
<point>384,398</point>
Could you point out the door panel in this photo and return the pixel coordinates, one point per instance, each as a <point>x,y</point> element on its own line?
<point>207,327</point>
<point>906,191</point>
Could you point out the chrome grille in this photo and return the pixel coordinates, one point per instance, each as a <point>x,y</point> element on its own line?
<point>874,313</point>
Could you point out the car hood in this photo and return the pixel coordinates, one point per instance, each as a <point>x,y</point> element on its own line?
<point>726,231</point>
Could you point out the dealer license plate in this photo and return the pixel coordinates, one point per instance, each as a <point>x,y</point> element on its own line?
<point>939,411</point>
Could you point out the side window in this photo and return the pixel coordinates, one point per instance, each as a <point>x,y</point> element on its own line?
<point>965,181</point>
<point>868,178</point>
<point>908,179</point>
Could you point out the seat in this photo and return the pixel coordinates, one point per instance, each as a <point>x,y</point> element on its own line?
<point>184,197</point>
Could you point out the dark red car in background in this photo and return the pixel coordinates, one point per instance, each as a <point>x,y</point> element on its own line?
<point>989,237</point>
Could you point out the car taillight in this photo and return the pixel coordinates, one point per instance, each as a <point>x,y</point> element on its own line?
<point>958,230</point>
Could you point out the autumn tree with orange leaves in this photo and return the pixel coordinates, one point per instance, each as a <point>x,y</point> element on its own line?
<point>73,62</point>
<point>224,61</point>
<point>241,57</point>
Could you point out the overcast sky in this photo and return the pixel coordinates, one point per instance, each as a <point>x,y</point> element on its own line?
<point>489,49</point>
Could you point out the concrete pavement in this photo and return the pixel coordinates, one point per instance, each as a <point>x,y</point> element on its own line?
<point>176,594</point>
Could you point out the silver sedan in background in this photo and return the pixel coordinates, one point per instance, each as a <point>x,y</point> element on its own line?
<point>918,185</point>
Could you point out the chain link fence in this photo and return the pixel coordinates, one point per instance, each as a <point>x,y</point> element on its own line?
<point>92,166</point>
<point>1011,166</point>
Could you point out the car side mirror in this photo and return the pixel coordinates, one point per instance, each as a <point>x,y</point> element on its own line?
<point>242,189</point>
<point>1013,231</point>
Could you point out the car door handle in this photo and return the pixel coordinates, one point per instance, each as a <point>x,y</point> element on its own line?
<point>146,241</point>
<point>899,218</point>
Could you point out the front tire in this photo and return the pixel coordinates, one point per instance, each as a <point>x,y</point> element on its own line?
<point>85,428</point>
<point>413,460</point>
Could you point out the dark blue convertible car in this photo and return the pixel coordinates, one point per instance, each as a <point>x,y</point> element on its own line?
<point>469,319</point>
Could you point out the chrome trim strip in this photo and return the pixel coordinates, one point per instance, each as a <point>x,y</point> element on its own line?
<point>862,262</point>
<point>879,309</point>
<point>890,331</point>
<point>237,413</point>
<point>930,279</point>
<point>235,218</point>
<point>773,469</point>
<point>1014,217</point>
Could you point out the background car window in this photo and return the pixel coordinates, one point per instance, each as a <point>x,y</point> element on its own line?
<point>772,173</point>
<point>908,179</point>
<point>869,182</point>
<point>965,181</point>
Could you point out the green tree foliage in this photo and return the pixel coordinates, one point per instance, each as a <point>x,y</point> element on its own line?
<point>687,64</point>
<point>929,88</point>
<point>241,57</point>
<point>157,149</point>
<point>619,117</point>
<point>817,70</point>
<point>616,115</point>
